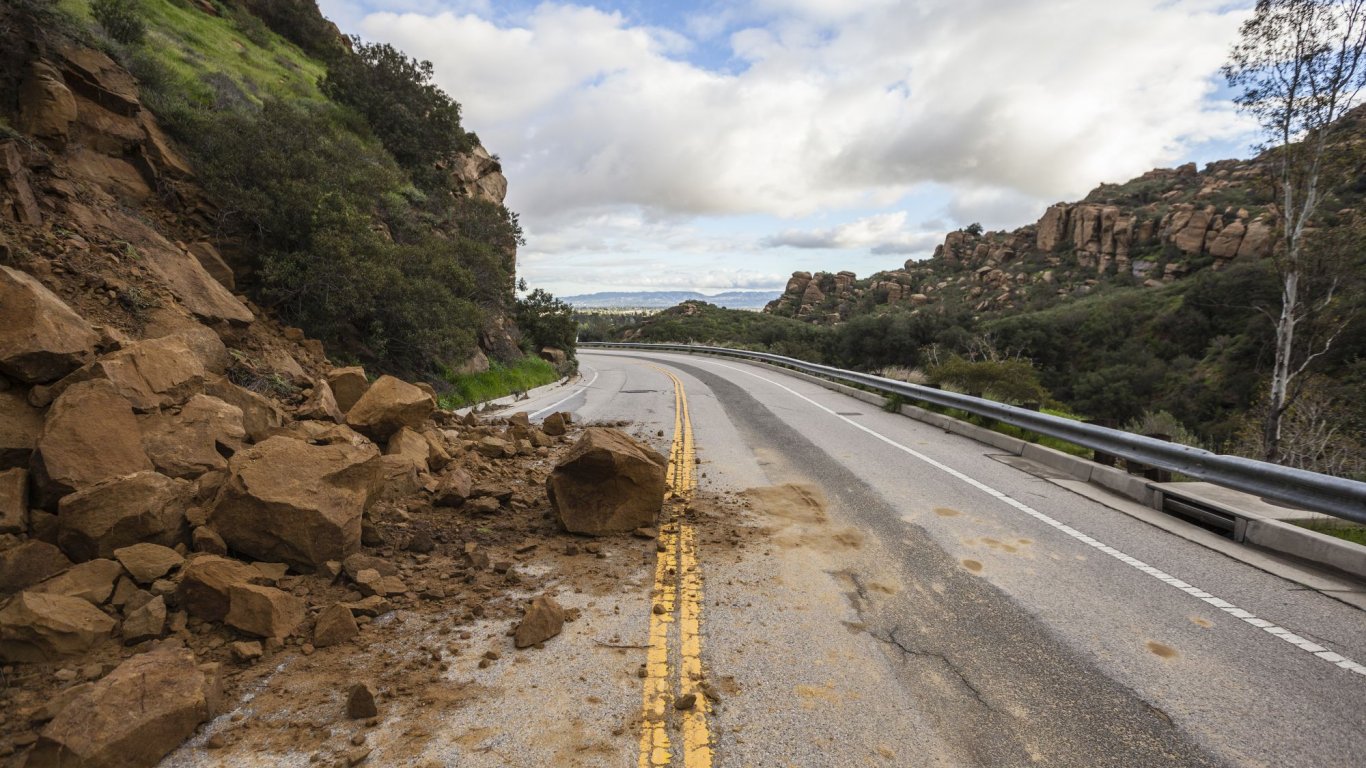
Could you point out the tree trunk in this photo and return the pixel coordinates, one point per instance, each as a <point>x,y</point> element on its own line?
<point>1280,372</point>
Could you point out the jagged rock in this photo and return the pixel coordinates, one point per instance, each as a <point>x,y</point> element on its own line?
<point>411,446</point>
<point>264,611</point>
<point>454,488</point>
<point>358,562</point>
<point>335,625</point>
<point>1257,241</point>
<point>19,204</point>
<point>360,702</point>
<point>206,583</point>
<point>148,562</point>
<point>20,426</point>
<point>195,440</point>
<point>495,448</point>
<point>437,455</point>
<point>145,622</point>
<point>246,651</point>
<point>325,433</point>
<point>554,425</point>
<point>477,362</point>
<point>348,385</point>
<point>372,606</point>
<point>260,416</point>
<point>27,564</point>
<point>189,282</point>
<point>397,477</point>
<point>150,374</point>
<point>40,627</point>
<point>92,581</point>
<point>41,338</point>
<point>205,539</point>
<point>212,261</point>
<point>13,501</point>
<point>46,106</point>
<point>90,436</point>
<point>544,618</point>
<point>134,716</point>
<point>389,405</point>
<point>141,507</point>
<point>321,405</point>
<point>478,175</point>
<point>607,482</point>
<point>553,355</point>
<point>289,501</point>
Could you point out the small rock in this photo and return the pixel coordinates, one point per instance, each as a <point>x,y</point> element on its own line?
<point>360,702</point>
<point>335,625</point>
<point>686,701</point>
<point>543,619</point>
<point>246,651</point>
<point>146,622</point>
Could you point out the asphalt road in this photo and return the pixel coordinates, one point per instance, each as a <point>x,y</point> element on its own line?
<point>918,601</point>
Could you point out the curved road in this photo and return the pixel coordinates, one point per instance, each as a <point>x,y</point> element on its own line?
<point>919,601</point>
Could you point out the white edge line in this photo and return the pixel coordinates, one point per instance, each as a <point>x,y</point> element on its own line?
<point>571,396</point>
<point>1223,605</point>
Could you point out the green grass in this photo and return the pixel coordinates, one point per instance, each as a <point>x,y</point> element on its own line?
<point>1339,528</point>
<point>498,381</point>
<point>191,46</point>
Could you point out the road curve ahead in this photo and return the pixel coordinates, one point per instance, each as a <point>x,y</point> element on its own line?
<point>916,599</point>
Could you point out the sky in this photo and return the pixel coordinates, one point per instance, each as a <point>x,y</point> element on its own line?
<point>664,145</point>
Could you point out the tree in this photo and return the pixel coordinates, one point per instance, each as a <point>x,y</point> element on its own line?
<point>547,322</point>
<point>1299,67</point>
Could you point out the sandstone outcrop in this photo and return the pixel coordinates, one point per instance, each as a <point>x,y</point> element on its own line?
<point>607,483</point>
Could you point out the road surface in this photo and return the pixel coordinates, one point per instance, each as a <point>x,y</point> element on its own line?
<point>920,601</point>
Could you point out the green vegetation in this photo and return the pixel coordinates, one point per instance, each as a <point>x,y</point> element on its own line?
<point>1339,528</point>
<point>498,381</point>
<point>546,321</point>
<point>122,19</point>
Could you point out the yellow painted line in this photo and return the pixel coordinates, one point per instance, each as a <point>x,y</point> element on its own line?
<point>677,589</point>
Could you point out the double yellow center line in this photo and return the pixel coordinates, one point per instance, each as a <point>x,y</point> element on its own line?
<point>677,600</point>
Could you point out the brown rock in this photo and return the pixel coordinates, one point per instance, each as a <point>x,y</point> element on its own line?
<point>20,426</point>
<point>397,477</point>
<point>484,505</point>
<point>204,539</point>
<point>41,338</point>
<point>140,507</point>
<point>264,611</point>
<point>90,435</point>
<point>372,606</point>
<point>246,651</point>
<point>543,619</point>
<point>292,502</point>
<point>195,440</point>
<point>554,425</point>
<point>150,374</point>
<point>206,584</point>
<point>495,447</point>
<point>212,261</point>
<point>92,581</point>
<point>360,702</point>
<point>358,562</point>
<point>335,625</point>
<point>145,622</point>
<point>132,717</point>
<point>348,385</point>
<point>410,445</point>
<point>389,405</point>
<point>260,416</point>
<point>29,563</point>
<point>607,482</point>
<point>321,405</point>
<point>13,501</point>
<point>38,627</point>
<point>46,106</point>
<point>454,488</point>
<point>148,562</point>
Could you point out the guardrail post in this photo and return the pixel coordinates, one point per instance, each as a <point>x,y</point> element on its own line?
<point>1100,457</point>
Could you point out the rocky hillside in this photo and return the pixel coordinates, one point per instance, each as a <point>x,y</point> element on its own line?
<point>1150,231</point>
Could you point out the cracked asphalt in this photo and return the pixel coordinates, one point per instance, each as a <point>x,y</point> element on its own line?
<point>918,620</point>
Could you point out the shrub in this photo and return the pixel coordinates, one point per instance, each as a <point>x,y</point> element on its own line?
<point>122,19</point>
<point>1012,381</point>
<point>546,321</point>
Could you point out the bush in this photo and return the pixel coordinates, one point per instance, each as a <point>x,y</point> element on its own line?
<point>547,322</point>
<point>1011,381</point>
<point>121,19</point>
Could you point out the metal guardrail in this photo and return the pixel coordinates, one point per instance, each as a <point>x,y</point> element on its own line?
<point>1335,496</point>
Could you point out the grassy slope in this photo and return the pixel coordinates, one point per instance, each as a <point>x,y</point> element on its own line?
<point>498,381</point>
<point>195,48</point>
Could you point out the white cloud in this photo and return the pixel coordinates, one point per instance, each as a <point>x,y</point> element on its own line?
<point>884,233</point>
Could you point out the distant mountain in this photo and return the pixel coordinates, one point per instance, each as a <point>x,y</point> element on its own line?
<point>665,299</point>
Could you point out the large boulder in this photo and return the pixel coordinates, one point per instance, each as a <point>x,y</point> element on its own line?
<point>206,584</point>
<point>90,435</point>
<point>260,416</point>
<point>46,106</point>
<point>607,482</point>
<point>348,385</point>
<point>148,562</point>
<point>142,507</point>
<point>134,716</point>
<point>20,426</point>
<point>41,338</point>
<point>13,501</point>
<point>39,627</point>
<point>29,563</point>
<point>291,502</point>
<point>194,440</point>
<point>150,374</point>
<point>389,405</point>
<point>410,445</point>
<point>92,581</point>
<point>321,405</point>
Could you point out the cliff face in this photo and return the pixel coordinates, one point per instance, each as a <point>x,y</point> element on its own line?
<point>1159,227</point>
